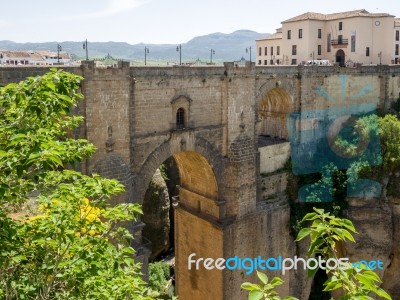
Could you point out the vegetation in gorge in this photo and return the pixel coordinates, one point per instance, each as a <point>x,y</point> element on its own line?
<point>71,245</point>
<point>325,232</point>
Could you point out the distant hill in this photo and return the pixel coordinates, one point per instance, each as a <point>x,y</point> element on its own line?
<point>228,47</point>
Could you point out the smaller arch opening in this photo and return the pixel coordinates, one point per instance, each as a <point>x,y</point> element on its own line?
<point>273,110</point>
<point>180,118</point>
<point>340,58</point>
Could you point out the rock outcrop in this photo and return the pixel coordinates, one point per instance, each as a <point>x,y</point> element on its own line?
<point>156,206</point>
<point>391,282</point>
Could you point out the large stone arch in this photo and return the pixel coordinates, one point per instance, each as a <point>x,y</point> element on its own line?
<point>273,110</point>
<point>198,213</point>
<point>167,149</point>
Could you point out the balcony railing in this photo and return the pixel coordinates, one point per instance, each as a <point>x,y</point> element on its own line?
<point>340,42</point>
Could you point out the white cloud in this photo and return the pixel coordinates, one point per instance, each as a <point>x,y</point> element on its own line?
<point>4,24</point>
<point>116,6</point>
<point>113,7</point>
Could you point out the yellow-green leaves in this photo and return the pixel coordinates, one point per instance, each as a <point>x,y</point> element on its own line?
<point>73,247</point>
<point>325,232</point>
<point>265,290</point>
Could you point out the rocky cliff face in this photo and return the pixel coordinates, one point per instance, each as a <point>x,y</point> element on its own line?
<point>378,227</point>
<point>391,281</point>
<point>156,207</point>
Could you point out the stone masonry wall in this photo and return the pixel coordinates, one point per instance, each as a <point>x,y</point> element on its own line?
<point>131,118</point>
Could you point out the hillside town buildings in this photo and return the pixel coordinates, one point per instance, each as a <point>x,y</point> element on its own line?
<point>36,58</point>
<point>345,38</point>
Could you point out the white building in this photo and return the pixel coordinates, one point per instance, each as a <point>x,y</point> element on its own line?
<point>19,58</point>
<point>53,58</point>
<point>343,38</point>
<point>24,57</point>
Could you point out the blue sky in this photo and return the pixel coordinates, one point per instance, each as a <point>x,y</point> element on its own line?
<point>158,21</point>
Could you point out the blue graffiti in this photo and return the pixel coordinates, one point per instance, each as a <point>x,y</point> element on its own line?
<point>314,137</point>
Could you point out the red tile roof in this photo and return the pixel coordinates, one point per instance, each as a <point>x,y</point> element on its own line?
<point>335,16</point>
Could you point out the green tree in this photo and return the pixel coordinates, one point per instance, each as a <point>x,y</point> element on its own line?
<point>380,167</point>
<point>160,279</point>
<point>265,289</point>
<point>325,232</point>
<point>389,131</point>
<point>72,246</point>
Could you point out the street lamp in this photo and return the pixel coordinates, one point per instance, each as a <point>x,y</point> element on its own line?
<point>179,49</point>
<point>86,48</point>
<point>146,51</point>
<point>248,50</point>
<point>212,51</point>
<point>58,53</point>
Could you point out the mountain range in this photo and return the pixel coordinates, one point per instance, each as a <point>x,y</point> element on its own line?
<point>227,47</point>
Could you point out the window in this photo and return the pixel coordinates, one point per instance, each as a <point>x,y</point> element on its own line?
<point>328,43</point>
<point>278,50</point>
<point>259,62</point>
<point>353,42</point>
<point>340,25</point>
<point>340,39</point>
<point>265,62</point>
<point>289,34</point>
<point>396,50</point>
<point>294,49</point>
<point>294,61</point>
<point>397,35</point>
<point>300,33</point>
<point>319,50</point>
<point>265,50</point>
<point>319,33</point>
<point>259,51</point>
<point>272,50</point>
<point>180,118</point>
<point>271,62</point>
<point>367,51</point>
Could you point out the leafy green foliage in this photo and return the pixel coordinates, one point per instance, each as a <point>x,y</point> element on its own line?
<point>34,126</point>
<point>73,247</point>
<point>380,167</point>
<point>325,232</point>
<point>300,209</point>
<point>163,171</point>
<point>352,142</point>
<point>389,132</point>
<point>159,276</point>
<point>264,290</point>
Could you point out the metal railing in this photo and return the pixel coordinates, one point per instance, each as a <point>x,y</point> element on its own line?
<point>340,42</point>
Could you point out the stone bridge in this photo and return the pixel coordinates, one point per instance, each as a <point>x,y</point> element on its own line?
<point>210,119</point>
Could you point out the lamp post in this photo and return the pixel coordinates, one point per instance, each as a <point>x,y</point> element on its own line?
<point>212,51</point>
<point>179,49</point>
<point>146,51</point>
<point>248,50</point>
<point>58,53</point>
<point>86,48</point>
